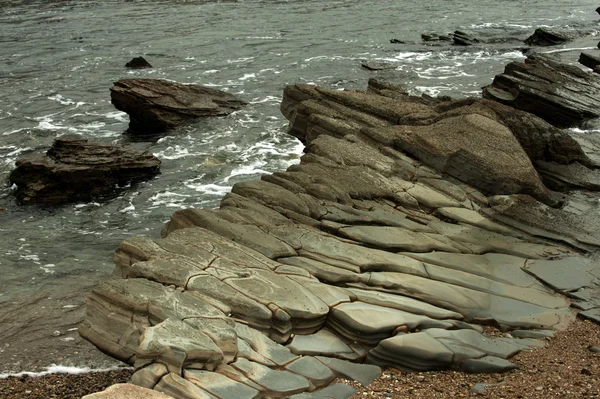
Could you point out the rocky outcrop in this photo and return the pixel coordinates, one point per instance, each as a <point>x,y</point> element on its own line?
<point>138,63</point>
<point>75,169</point>
<point>156,105</point>
<point>407,224</point>
<point>561,94</point>
<point>547,37</point>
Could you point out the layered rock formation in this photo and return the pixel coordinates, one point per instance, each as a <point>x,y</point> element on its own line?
<point>156,105</point>
<point>561,94</point>
<point>547,37</point>
<point>407,225</point>
<point>75,169</point>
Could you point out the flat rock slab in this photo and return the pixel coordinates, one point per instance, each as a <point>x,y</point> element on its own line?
<point>156,105</point>
<point>363,373</point>
<point>127,391</point>
<point>76,169</point>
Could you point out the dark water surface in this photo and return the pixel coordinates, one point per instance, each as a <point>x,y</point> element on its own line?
<point>58,60</point>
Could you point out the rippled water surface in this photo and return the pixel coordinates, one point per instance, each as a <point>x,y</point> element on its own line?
<point>58,60</point>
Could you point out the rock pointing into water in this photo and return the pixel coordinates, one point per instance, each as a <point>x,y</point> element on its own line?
<point>407,224</point>
<point>156,105</point>
<point>76,169</point>
<point>562,94</point>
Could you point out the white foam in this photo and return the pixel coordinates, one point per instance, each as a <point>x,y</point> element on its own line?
<point>58,369</point>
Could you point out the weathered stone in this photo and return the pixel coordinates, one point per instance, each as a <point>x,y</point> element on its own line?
<point>324,343</point>
<point>156,105</point>
<point>127,391</point>
<point>368,323</point>
<point>75,169</point>
<point>494,161</point>
<point>219,385</point>
<point>487,364</point>
<point>310,368</point>
<point>178,387</point>
<point>149,376</point>
<point>562,94</point>
<point>363,373</point>
<point>279,383</point>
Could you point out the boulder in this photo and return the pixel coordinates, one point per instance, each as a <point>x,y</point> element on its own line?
<point>127,391</point>
<point>156,105</point>
<point>547,37</point>
<point>138,63</point>
<point>589,60</point>
<point>75,169</point>
<point>561,94</point>
<point>397,41</point>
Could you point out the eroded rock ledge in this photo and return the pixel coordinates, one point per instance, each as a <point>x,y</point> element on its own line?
<point>408,224</point>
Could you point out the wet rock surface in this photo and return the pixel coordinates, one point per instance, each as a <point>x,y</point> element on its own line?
<point>75,169</point>
<point>407,225</point>
<point>156,105</point>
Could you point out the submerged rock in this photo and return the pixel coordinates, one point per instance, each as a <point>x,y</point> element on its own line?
<point>562,94</point>
<point>76,169</point>
<point>156,105</point>
<point>547,37</point>
<point>138,63</point>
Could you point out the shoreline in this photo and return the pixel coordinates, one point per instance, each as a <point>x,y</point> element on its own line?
<point>564,368</point>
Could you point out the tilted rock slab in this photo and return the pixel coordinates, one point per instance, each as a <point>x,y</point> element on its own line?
<point>561,94</point>
<point>156,105</point>
<point>75,169</point>
<point>368,251</point>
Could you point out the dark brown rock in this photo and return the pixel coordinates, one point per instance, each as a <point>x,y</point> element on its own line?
<point>138,63</point>
<point>156,105</point>
<point>76,169</point>
<point>561,94</point>
<point>547,37</point>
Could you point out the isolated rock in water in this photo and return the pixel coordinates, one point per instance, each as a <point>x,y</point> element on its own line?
<point>76,169</point>
<point>546,37</point>
<point>377,66</point>
<point>464,39</point>
<point>562,94</point>
<point>434,37</point>
<point>156,105</point>
<point>589,60</point>
<point>138,63</point>
<point>397,41</point>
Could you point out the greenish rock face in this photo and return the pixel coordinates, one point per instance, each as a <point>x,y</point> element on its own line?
<point>383,247</point>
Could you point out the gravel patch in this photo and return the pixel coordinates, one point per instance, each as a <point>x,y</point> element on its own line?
<point>564,368</point>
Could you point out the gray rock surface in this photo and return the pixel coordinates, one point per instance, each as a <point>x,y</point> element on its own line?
<point>383,245</point>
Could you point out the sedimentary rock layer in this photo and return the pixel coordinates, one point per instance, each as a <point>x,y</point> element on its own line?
<point>407,225</point>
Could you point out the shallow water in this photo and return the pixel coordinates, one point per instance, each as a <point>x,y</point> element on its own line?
<point>58,60</point>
